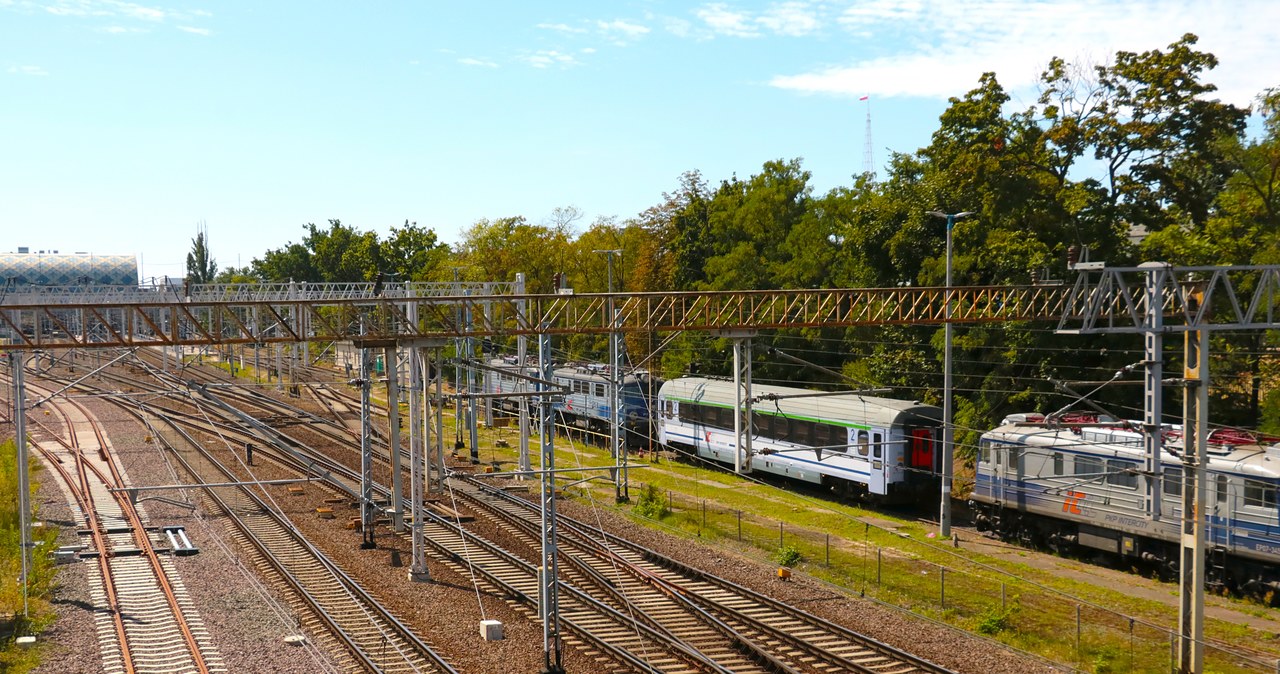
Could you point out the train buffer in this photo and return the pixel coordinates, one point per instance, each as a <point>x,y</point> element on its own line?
<point>178,541</point>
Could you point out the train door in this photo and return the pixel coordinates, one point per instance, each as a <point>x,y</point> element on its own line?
<point>920,454</point>
<point>877,483</point>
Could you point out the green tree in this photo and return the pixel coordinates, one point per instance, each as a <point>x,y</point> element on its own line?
<point>413,253</point>
<point>201,268</point>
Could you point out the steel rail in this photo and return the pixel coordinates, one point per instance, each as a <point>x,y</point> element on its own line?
<point>131,515</point>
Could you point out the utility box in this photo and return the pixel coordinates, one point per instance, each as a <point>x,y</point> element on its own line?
<point>491,630</point>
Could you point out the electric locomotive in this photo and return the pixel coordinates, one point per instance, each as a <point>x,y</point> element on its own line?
<point>1083,487</point>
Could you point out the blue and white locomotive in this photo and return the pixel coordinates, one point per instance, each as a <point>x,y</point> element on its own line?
<point>1082,486</point>
<point>854,444</point>
<point>586,403</point>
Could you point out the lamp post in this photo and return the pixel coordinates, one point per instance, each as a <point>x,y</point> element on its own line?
<point>617,447</point>
<point>948,432</point>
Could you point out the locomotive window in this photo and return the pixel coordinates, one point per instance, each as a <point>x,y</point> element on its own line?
<point>1259,494</point>
<point>1057,463</point>
<point>1222,489</point>
<point>669,407</point>
<point>1172,480</point>
<point>877,446</point>
<point>984,452</point>
<point>1118,474</point>
<point>863,438</point>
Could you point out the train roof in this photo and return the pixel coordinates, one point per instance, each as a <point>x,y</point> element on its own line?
<point>836,406</point>
<point>1232,451</point>
<point>580,371</point>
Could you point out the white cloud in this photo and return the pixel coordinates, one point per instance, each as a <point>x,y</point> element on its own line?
<point>621,32</point>
<point>120,30</point>
<point>547,58</point>
<point>795,19</point>
<point>477,62</point>
<point>197,31</point>
<point>588,50</point>
<point>561,28</point>
<point>115,9</point>
<point>720,19</point>
<point>940,48</point>
<point>28,70</point>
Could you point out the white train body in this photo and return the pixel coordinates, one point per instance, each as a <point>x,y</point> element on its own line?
<point>852,443</point>
<point>1085,486</point>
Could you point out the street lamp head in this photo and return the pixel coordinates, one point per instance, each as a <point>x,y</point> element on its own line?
<point>952,216</point>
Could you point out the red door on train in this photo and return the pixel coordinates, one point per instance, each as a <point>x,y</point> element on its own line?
<point>920,454</point>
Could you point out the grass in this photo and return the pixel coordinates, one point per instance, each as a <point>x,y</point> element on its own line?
<point>41,574</point>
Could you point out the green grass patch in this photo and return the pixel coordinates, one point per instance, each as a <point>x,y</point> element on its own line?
<point>41,573</point>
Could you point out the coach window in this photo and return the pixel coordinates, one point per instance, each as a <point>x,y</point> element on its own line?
<point>1172,480</point>
<point>877,446</point>
<point>1259,494</point>
<point>1119,475</point>
<point>1088,467</point>
<point>1057,463</point>
<point>863,438</point>
<point>984,452</point>
<point>1222,489</point>
<point>599,390</point>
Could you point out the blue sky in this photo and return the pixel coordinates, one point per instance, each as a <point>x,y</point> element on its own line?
<point>124,125</point>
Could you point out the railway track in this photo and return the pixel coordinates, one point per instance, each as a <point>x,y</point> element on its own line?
<point>335,603</point>
<point>647,614</point>
<point>677,595</point>
<point>147,622</point>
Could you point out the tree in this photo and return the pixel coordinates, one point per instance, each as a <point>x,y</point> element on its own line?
<point>413,253</point>
<point>201,268</point>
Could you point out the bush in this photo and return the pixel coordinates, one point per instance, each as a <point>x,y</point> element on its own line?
<point>787,555</point>
<point>651,504</point>
<point>994,621</point>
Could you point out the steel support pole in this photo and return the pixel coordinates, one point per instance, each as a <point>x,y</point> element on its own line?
<point>472,418</point>
<point>17,365</point>
<point>368,509</point>
<point>437,357</point>
<point>742,452</point>
<point>948,432</point>
<point>1195,436</point>
<point>417,465</point>
<point>548,578</point>
<point>522,384</point>
<point>1153,385</point>
<point>391,357</point>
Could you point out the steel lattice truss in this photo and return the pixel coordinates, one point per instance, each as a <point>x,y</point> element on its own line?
<point>287,317</point>
<point>1119,300</point>
<point>1116,300</point>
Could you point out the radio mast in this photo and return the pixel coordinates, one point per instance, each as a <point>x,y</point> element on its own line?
<point>867,166</point>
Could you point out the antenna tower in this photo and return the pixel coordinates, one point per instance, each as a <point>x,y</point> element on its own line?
<point>867,166</point>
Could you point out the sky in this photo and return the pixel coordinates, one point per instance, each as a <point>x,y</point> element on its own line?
<point>124,126</point>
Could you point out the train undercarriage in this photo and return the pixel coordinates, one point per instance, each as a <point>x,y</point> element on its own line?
<point>1224,572</point>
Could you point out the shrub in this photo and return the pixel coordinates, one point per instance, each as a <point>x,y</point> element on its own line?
<point>787,555</point>
<point>651,504</point>
<point>994,621</point>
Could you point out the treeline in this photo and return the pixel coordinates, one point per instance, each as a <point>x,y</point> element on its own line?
<point>1134,160</point>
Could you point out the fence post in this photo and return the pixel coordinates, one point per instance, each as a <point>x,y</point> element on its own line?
<point>878,549</point>
<point>779,534</point>
<point>828,549</point>
<point>942,587</point>
<point>1003,605</point>
<point>1077,631</point>
<point>739,526</point>
<point>704,513</point>
<point>670,504</point>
